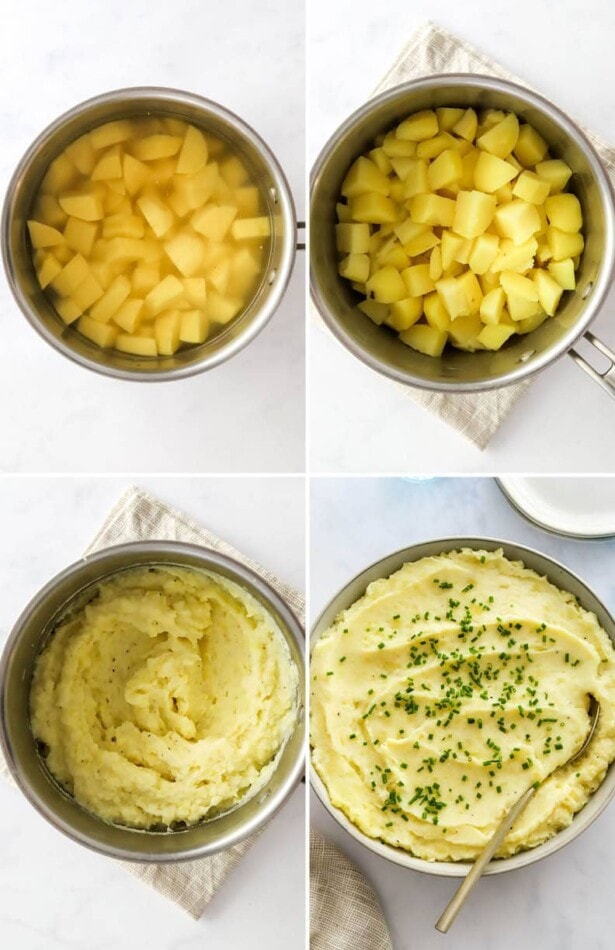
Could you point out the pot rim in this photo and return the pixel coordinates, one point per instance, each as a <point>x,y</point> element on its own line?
<point>403,858</point>
<point>242,573</point>
<point>600,288</point>
<point>284,202</point>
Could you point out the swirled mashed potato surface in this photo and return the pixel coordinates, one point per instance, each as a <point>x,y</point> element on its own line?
<point>167,698</point>
<point>446,691</point>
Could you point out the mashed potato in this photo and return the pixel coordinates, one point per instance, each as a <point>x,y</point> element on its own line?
<point>446,691</point>
<point>167,698</point>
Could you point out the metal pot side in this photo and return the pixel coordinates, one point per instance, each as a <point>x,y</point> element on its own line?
<point>561,577</point>
<point>17,741</point>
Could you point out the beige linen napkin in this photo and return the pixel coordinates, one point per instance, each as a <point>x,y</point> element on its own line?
<point>139,516</point>
<point>345,913</point>
<point>434,50</point>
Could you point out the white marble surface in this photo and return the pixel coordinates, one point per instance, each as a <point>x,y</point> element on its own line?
<point>360,421</point>
<point>56,895</point>
<point>565,901</point>
<point>248,413</point>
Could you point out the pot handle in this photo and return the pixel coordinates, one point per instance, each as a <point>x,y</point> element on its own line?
<point>605,380</point>
<point>300,242</point>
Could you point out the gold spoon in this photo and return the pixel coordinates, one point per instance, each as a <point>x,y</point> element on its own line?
<point>471,879</point>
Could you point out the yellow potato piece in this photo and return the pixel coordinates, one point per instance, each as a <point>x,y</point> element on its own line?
<point>136,345</point>
<point>167,333</point>
<point>112,299</point>
<point>418,127</point>
<point>99,333</point>
<point>193,326</point>
<point>42,235</point>
<point>246,229</point>
<point>154,147</point>
<point>88,207</point>
<point>194,152</point>
<point>425,339</point>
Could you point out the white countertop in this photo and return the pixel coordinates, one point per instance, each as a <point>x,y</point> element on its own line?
<point>248,413</point>
<point>360,421</point>
<point>565,901</point>
<point>56,895</point>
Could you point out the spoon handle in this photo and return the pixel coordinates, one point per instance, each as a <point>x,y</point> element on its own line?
<point>471,879</point>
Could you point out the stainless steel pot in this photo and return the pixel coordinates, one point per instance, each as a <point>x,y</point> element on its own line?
<point>559,575</point>
<point>134,102</point>
<point>17,741</point>
<point>455,370</point>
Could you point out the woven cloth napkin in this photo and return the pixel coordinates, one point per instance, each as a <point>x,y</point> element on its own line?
<point>434,50</point>
<point>140,517</point>
<point>345,913</point>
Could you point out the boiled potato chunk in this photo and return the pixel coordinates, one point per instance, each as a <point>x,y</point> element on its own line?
<point>517,220</point>
<point>418,127</point>
<point>425,339</point>
<point>42,235</point>
<point>531,188</point>
<point>494,337</point>
<point>501,139</point>
<point>563,272</point>
<point>194,153</point>
<point>157,214</point>
<point>373,208</point>
<point>365,177</point>
<point>135,344</point>
<point>530,147</point>
<point>386,285</point>
<point>473,213</point>
<point>353,238</point>
<point>167,333</point>
<point>354,267</point>
<point>98,333</point>
<point>88,207</point>
<point>564,212</point>
<point>549,291</point>
<point>556,172</point>
<point>432,209</point>
<point>193,326</point>
<point>492,173</point>
<point>445,169</point>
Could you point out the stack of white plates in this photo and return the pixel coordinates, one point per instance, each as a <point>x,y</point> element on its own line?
<point>570,506</point>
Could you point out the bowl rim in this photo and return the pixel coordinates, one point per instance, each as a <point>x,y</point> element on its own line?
<point>284,201</point>
<point>459,868</point>
<point>601,286</point>
<point>242,573</point>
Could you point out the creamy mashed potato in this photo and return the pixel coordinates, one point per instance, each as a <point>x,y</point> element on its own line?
<point>446,691</point>
<point>167,698</point>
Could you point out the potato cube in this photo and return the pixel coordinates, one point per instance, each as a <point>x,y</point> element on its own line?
<point>488,282</point>
<point>128,316</point>
<point>417,281</point>
<point>164,295</point>
<point>380,158</point>
<point>82,154</point>
<point>447,118</point>
<point>372,209</point>
<point>194,153</point>
<point>193,326</point>
<point>563,273</point>
<point>99,333</point>
<point>420,244</point>
<point>404,313</point>
<point>564,212</point>
<point>435,264</point>
<point>483,252</point>
<point>247,229</point>
<point>432,209</point>
<point>87,206</point>
<point>49,268</point>
<point>461,295</point>
<point>463,333</point>
<point>144,278</point>
<point>352,238</point>
<point>531,188</point>
<point>416,181</point>
<point>431,148</point>
<point>501,139</point>
<point>418,127</point>
<point>424,338</point>
<point>150,148</point>
<point>564,244</point>
<point>354,267</point>
<point>520,308</point>
<point>71,275</point>
<point>60,175</point>
<point>41,235</point>
<point>517,286</point>
<point>407,230</point>
<point>474,211</point>
<point>436,313</point>
<point>556,172</point>
<point>187,252</point>
<point>68,310</point>
<point>195,292</point>
<point>402,168</point>
<point>166,332</point>
<point>466,126</point>
<point>48,210</point>
<point>218,275</point>
<point>494,337</point>
<point>517,257</point>
<point>157,214</point>
<point>111,133</point>
<point>214,221</point>
<point>504,194</point>
<point>445,170</point>
<point>397,148</point>
<point>531,323</point>
<point>112,299</point>
<point>517,220</point>
<point>109,165</point>
<point>472,290</point>
<point>222,309</point>
<point>453,246</point>
<point>364,178</point>
<point>135,174</point>
<point>549,291</point>
<point>120,250</point>
<point>492,306</point>
<point>80,235</point>
<point>386,285</point>
<point>531,148</point>
<point>468,168</point>
<point>136,345</point>
<point>87,293</point>
<point>123,225</point>
<point>377,312</point>
<point>492,173</point>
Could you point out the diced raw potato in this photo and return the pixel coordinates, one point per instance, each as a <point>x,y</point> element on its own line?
<point>112,299</point>
<point>153,147</point>
<point>71,275</point>
<point>109,165</point>
<point>435,264</point>
<point>398,148</point>
<point>397,191</point>
<point>372,209</point>
<point>386,285</point>
<point>447,118</point>
<point>111,133</point>
<point>518,286</point>
<point>218,275</point>
<point>127,317</point>
<point>123,225</point>
<point>194,153</point>
<point>564,212</point>
<point>164,295</point>
<point>116,185</point>
<point>42,235</point>
<point>531,148</point>
<point>564,244</point>
<point>47,209</point>
<point>63,253</point>
<point>99,333</point>
<point>213,222</point>
<point>144,278</point>
<point>466,126</point>
<point>82,154</point>
<point>247,229</point>
<point>468,164</point>
<point>60,175</point>
<point>88,207</point>
<point>492,173</point>
<point>49,268</point>
<point>416,182</point>
<point>195,292</point>
<point>405,232</point>
<point>556,172</point>
<point>402,168</point>
<point>247,200</point>
<point>380,158</point>
<point>136,345</point>
<point>549,291</point>
<point>167,332</point>
<point>494,337</point>
<point>563,273</point>
<point>483,252</point>
<point>531,188</point>
<point>222,309</point>
<point>404,313</point>
<point>425,339</point>
<point>432,209</point>
<point>68,310</point>
<point>452,245</point>
<point>136,174</point>
<point>418,127</point>
<point>352,238</point>
<point>120,250</point>
<point>502,138</point>
<point>364,177</point>
<point>492,305</point>
<point>464,332</point>
<point>446,169</point>
<point>473,214</point>
<point>436,313</point>
<point>87,293</point>
<point>420,244</point>
<point>157,214</point>
<point>517,220</point>
<point>354,267</point>
<point>187,253</point>
<point>193,326</point>
<point>377,312</point>
<point>80,235</point>
<point>432,148</point>
<point>234,172</point>
<point>488,282</point>
<point>504,194</point>
<point>417,281</point>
